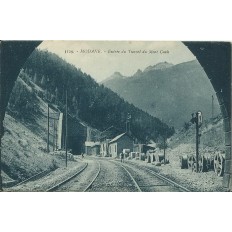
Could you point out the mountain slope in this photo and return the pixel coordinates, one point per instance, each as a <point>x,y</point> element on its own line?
<point>159,66</point>
<point>92,103</point>
<point>170,92</point>
<point>115,75</point>
<point>25,134</point>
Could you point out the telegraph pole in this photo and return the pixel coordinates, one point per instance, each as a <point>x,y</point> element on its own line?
<point>128,123</point>
<point>66,131</point>
<point>129,126</point>
<point>212,106</point>
<point>54,133</point>
<point>164,148</point>
<point>48,131</point>
<point>56,136</point>
<point>197,141</point>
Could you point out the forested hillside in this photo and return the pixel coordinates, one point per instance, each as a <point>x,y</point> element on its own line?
<point>93,103</point>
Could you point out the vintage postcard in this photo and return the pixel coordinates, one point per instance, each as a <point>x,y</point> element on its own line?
<point>115,116</point>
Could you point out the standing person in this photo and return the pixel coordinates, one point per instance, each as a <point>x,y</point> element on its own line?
<point>82,155</point>
<point>122,157</point>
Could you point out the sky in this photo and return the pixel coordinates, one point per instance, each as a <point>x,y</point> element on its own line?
<point>101,59</point>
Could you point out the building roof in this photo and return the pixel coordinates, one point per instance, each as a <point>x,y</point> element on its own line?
<point>109,133</point>
<point>89,144</point>
<point>96,144</point>
<point>151,145</point>
<point>117,137</point>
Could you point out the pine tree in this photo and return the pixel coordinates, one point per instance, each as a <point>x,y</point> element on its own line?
<point>35,79</point>
<point>93,103</point>
<point>43,81</point>
<point>56,96</point>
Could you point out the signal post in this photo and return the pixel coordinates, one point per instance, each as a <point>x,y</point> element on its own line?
<point>198,121</point>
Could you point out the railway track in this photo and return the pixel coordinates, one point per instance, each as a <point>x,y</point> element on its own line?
<point>132,178</point>
<point>95,177</point>
<point>62,186</point>
<point>135,178</point>
<point>56,187</point>
<point>114,178</point>
<point>35,177</point>
<point>164,179</point>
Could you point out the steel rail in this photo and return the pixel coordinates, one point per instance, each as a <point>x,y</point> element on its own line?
<point>171,182</point>
<point>136,184</point>
<point>32,178</point>
<point>66,180</point>
<point>95,177</point>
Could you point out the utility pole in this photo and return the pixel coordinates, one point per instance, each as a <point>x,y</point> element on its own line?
<point>212,106</point>
<point>164,148</point>
<point>128,123</point>
<point>129,126</point>
<point>48,131</point>
<point>66,131</point>
<point>54,133</point>
<point>197,141</point>
<point>55,136</point>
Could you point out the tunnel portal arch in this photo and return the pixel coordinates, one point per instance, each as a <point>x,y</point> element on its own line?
<point>214,57</point>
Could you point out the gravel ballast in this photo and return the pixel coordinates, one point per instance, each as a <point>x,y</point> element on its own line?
<point>50,180</point>
<point>197,182</point>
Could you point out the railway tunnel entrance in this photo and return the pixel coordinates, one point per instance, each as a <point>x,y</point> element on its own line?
<point>77,133</point>
<point>214,57</point>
